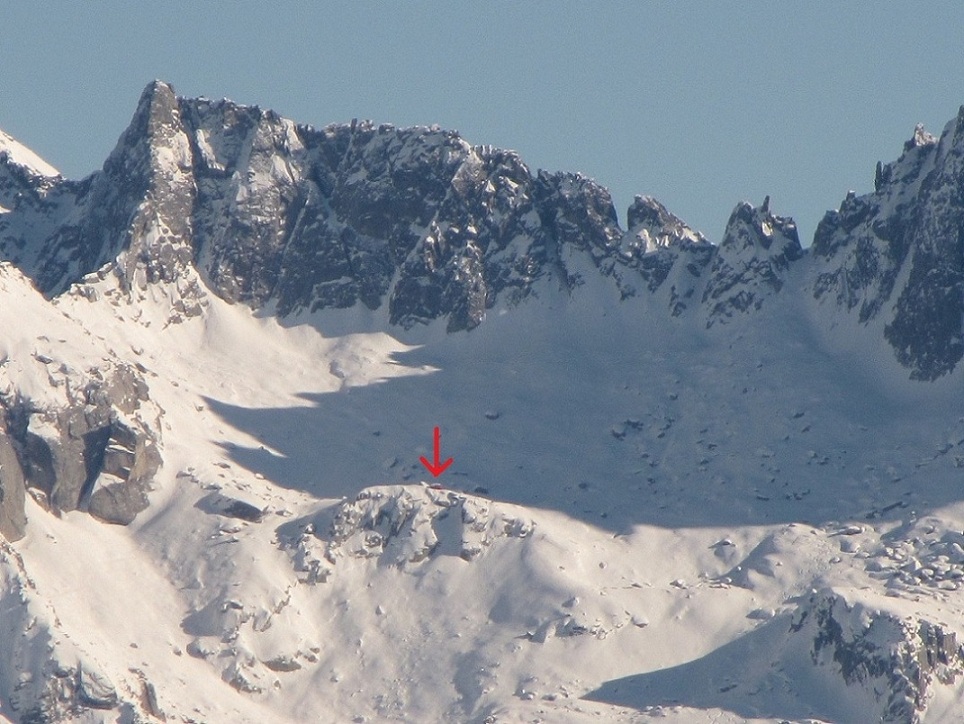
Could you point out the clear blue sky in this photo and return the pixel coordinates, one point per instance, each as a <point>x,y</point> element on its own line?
<point>700,104</point>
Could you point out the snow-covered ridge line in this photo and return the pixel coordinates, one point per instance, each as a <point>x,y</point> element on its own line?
<point>22,156</point>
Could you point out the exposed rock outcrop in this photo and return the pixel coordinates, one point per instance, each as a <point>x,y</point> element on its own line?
<point>13,519</point>
<point>404,525</point>
<point>894,660</point>
<point>94,452</point>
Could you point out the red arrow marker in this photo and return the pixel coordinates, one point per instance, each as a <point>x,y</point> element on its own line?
<point>436,468</point>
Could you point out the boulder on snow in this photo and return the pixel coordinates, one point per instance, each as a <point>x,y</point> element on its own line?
<point>218,504</point>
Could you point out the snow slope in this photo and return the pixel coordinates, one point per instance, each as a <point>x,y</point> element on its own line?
<point>23,156</point>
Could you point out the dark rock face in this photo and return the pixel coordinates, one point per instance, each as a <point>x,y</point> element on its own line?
<point>895,658</point>
<point>927,329</point>
<point>134,212</point>
<point>218,504</point>
<point>415,217</point>
<point>751,261</point>
<point>30,209</point>
<point>94,453</point>
<point>20,186</point>
<point>898,254</point>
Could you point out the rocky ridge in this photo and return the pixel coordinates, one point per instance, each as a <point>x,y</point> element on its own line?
<point>898,659</point>
<point>202,194</point>
<point>895,256</point>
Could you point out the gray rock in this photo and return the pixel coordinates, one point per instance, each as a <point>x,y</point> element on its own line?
<point>13,519</point>
<point>244,511</point>
<point>117,503</point>
<point>86,457</point>
<point>282,664</point>
<point>94,689</point>
<point>217,504</point>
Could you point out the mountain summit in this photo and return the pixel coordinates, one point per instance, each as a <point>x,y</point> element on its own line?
<point>417,221</point>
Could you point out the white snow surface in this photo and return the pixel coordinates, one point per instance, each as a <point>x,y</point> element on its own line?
<point>636,511</point>
<point>23,156</point>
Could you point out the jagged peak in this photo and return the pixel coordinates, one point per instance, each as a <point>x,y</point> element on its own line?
<point>157,86</point>
<point>155,133</point>
<point>758,228</point>
<point>645,210</point>
<point>907,168</point>
<point>157,102</point>
<point>921,137</point>
<point>571,179</point>
<point>653,226</point>
<point>751,262</point>
<point>584,198</point>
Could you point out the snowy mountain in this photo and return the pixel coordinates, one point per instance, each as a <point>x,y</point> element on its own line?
<point>897,255</point>
<point>695,481</point>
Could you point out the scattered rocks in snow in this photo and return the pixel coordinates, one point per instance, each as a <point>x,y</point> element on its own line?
<point>935,561</point>
<point>630,424</point>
